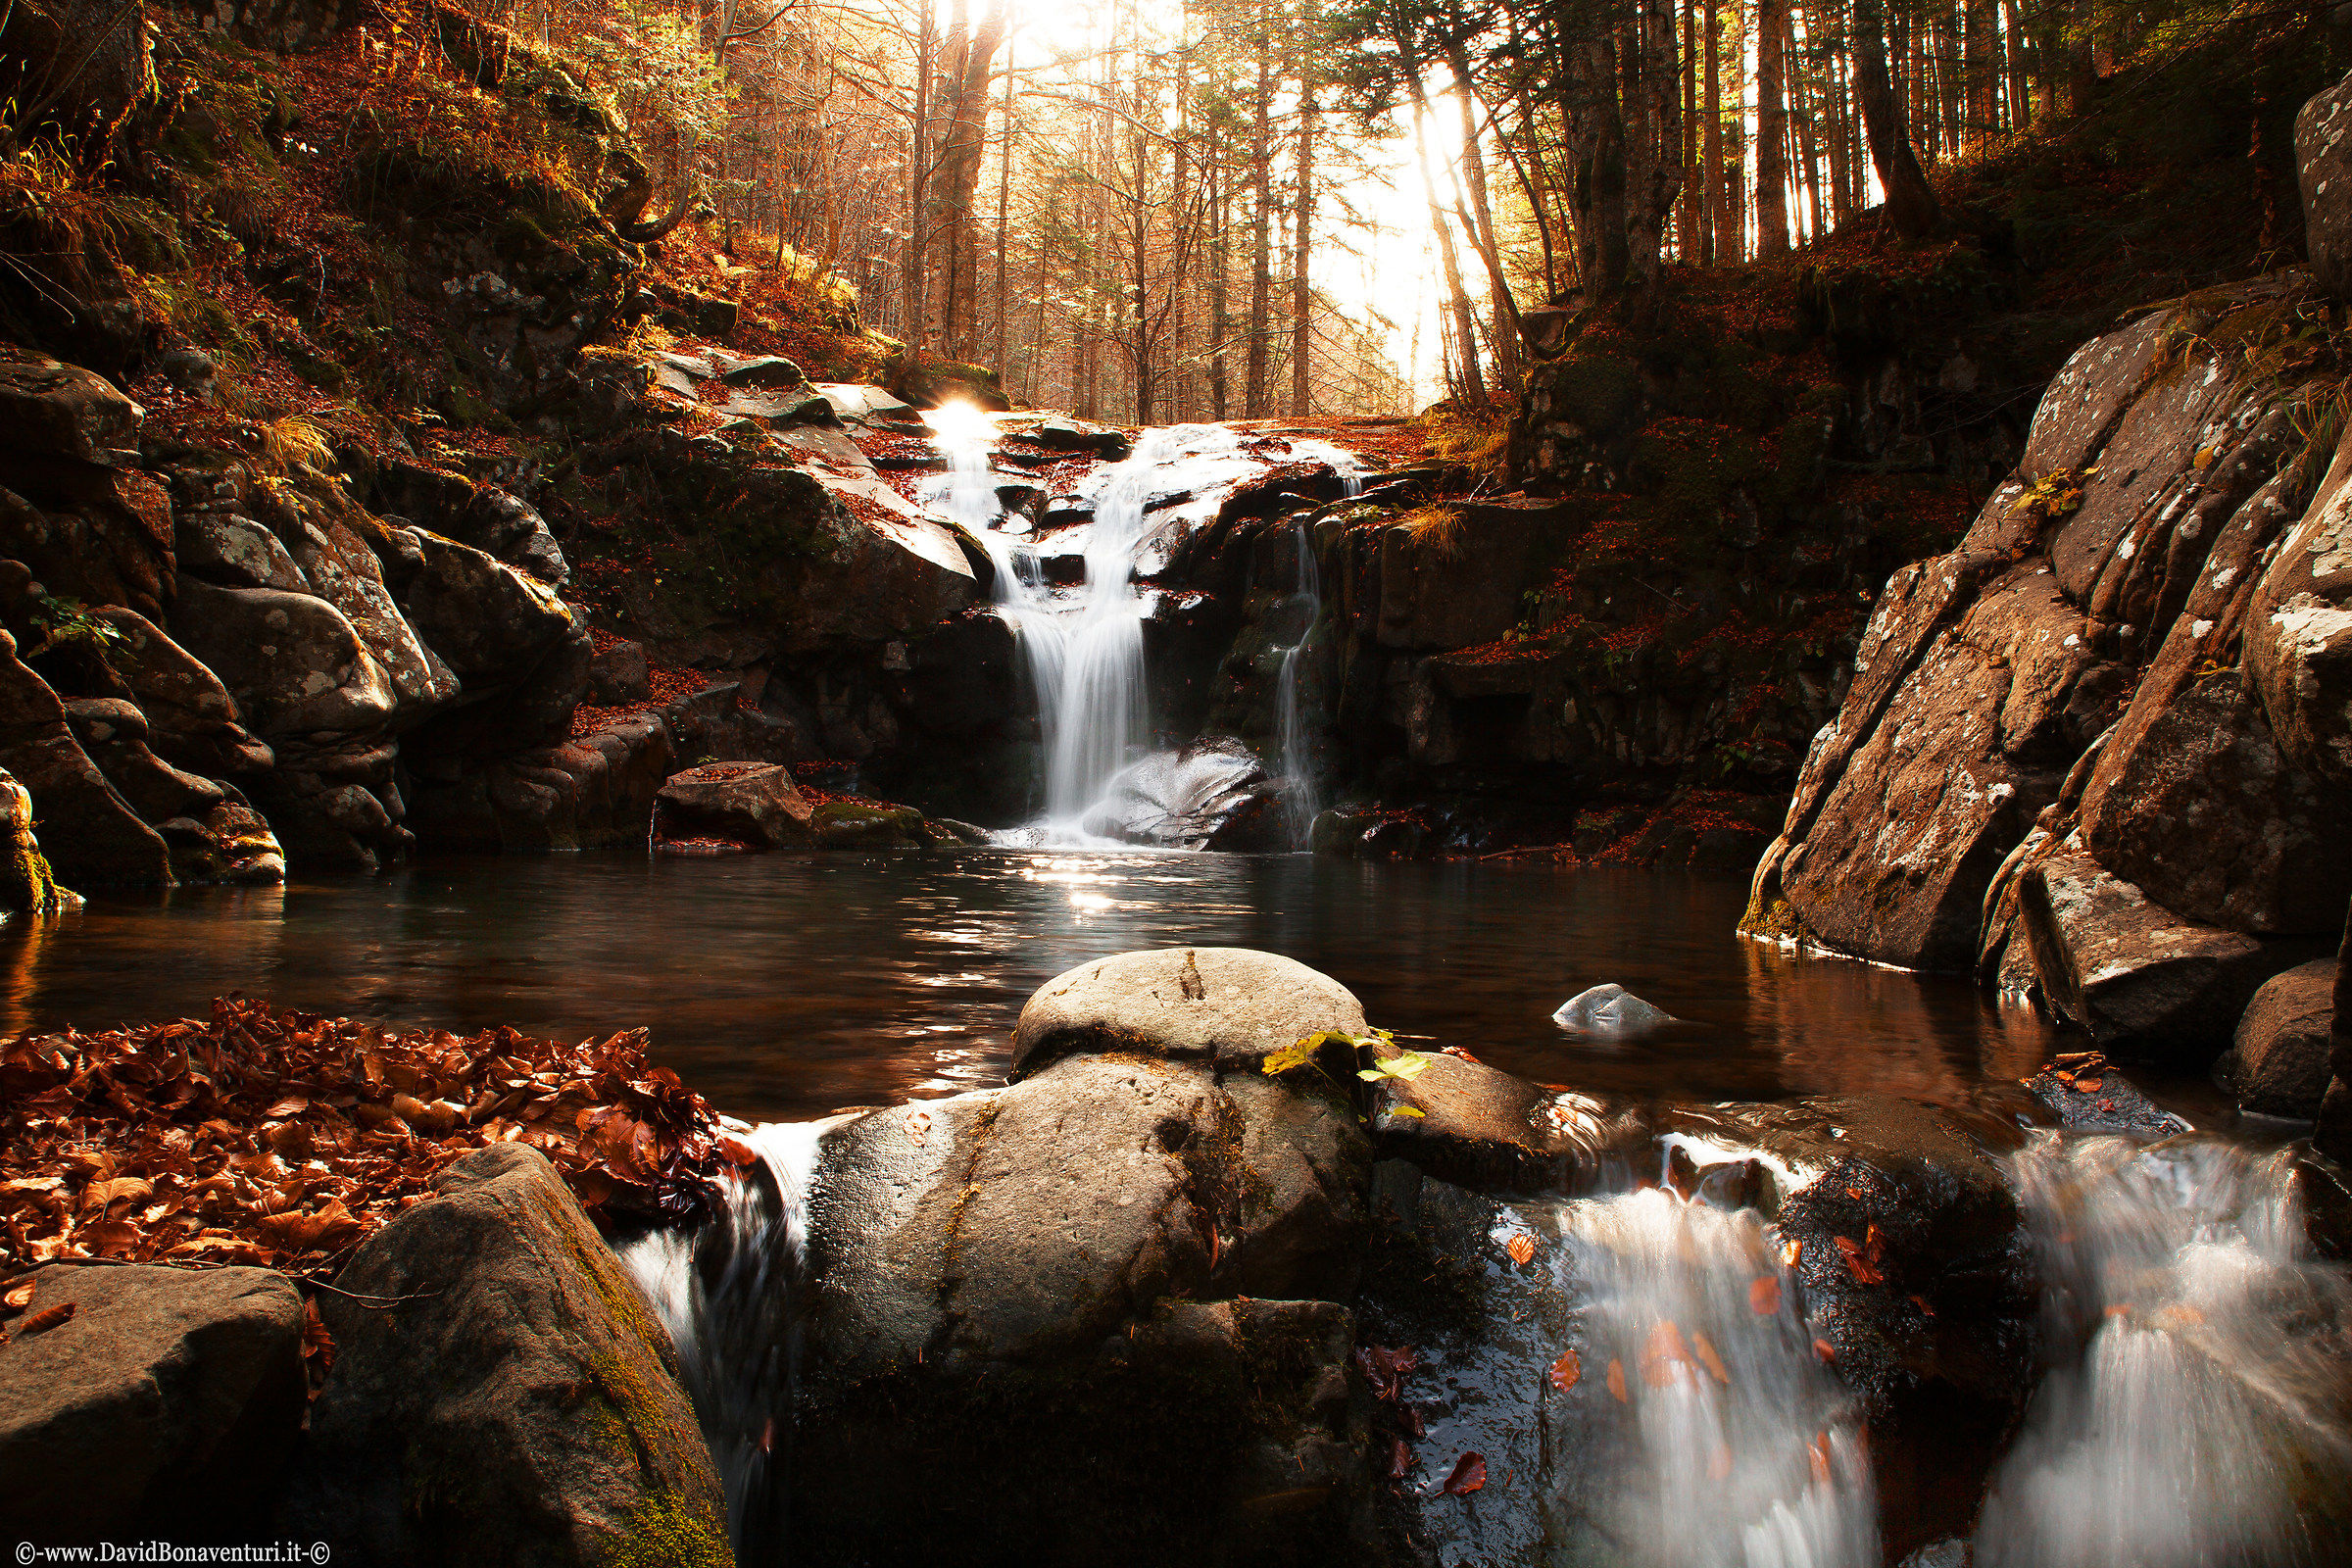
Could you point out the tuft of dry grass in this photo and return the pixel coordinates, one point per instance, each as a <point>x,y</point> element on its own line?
<point>1435,528</point>
<point>1474,439</point>
<point>295,442</point>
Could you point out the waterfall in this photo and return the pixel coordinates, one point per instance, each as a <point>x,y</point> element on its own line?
<point>1082,649</point>
<point>2192,1412</point>
<point>1723,1441</point>
<point>724,1293</point>
<point>1298,768</point>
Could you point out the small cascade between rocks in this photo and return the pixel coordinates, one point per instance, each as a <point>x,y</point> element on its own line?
<point>1298,768</point>
<point>724,1293</point>
<point>2192,1413</point>
<point>1082,648</point>
<point>1737,1446</point>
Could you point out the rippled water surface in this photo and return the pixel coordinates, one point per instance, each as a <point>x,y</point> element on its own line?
<point>784,986</point>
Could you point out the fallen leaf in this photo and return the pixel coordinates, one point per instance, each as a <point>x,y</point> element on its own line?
<point>1704,1349</point>
<point>1469,1474</point>
<point>1663,1355</point>
<point>118,1189</point>
<point>2090,1086</point>
<point>1617,1380</point>
<point>1566,1370</point>
<point>290,1105</point>
<point>20,1295</point>
<point>1819,1449</point>
<point>47,1318</point>
<point>1400,1460</point>
<point>1521,1248</point>
<point>1856,1263</point>
<point>1825,1349</point>
<point>1921,1302</point>
<point>1790,1251</point>
<point>1764,1295</point>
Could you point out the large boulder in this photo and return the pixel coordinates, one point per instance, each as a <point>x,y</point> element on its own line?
<point>2279,1062</point>
<point>166,1406</point>
<point>27,884</point>
<point>78,510</point>
<point>1229,1007</point>
<point>192,721</point>
<point>1135,1253</point>
<point>501,1393</point>
<point>293,663</point>
<point>2324,170</point>
<point>594,791</point>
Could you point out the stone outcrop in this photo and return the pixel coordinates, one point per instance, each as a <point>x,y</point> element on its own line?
<point>501,1391</point>
<point>167,1406</point>
<point>2090,753</point>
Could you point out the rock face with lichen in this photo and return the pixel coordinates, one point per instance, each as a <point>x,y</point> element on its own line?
<point>2087,754</point>
<point>501,1393</point>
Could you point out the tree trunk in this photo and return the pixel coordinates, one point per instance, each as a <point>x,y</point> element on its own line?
<point>915,272</point>
<point>1772,129</point>
<point>1301,295</point>
<point>1910,203</point>
<point>1711,247</point>
<point>1262,219</point>
<point>1478,221</point>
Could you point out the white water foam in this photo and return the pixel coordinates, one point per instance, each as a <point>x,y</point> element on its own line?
<point>724,1295</point>
<point>1082,649</point>
<point>2192,1416</point>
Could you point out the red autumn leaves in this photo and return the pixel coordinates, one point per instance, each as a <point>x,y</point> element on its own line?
<point>280,1138</point>
<point>14,1298</point>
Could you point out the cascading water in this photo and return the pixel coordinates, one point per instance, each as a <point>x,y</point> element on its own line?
<point>2193,1409</point>
<point>724,1294</point>
<point>1733,1445</point>
<point>1082,650</point>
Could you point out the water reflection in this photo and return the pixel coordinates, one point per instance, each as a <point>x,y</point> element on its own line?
<point>785,986</point>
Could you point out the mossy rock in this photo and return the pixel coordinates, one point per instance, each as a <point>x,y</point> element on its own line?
<point>861,825</point>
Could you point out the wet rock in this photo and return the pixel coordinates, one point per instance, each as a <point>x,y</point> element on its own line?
<point>92,834</point>
<point>2131,974</point>
<point>2101,1099</point>
<point>1609,1009</point>
<point>166,1406</point>
<point>869,405</point>
<point>619,677</point>
<point>519,653</point>
<point>591,792</point>
<point>2332,1136</point>
<point>78,512</point>
<point>2278,1065</point>
<point>27,884</point>
<point>1230,1006</point>
<point>1048,1262</point>
<point>1181,799</point>
<point>520,1403</point>
<point>868,825</point>
<point>228,843</point>
<point>1460,591</point>
<point>1063,434</point>
<point>1475,1127</point>
<point>754,805</point>
<point>2324,172</point>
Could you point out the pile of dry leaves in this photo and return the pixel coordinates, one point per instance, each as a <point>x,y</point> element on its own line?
<point>281,1138</point>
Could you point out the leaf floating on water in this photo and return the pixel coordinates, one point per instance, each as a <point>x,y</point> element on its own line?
<point>47,1318</point>
<point>1469,1474</point>
<point>1704,1349</point>
<point>1764,1295</point>
<point>1825,1349</point>
<point>1566,1370</point>
<point>1521,1248</point>
<point>1617,1380</point>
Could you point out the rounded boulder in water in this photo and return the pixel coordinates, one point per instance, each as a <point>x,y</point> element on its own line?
<point>1609,1011</point>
